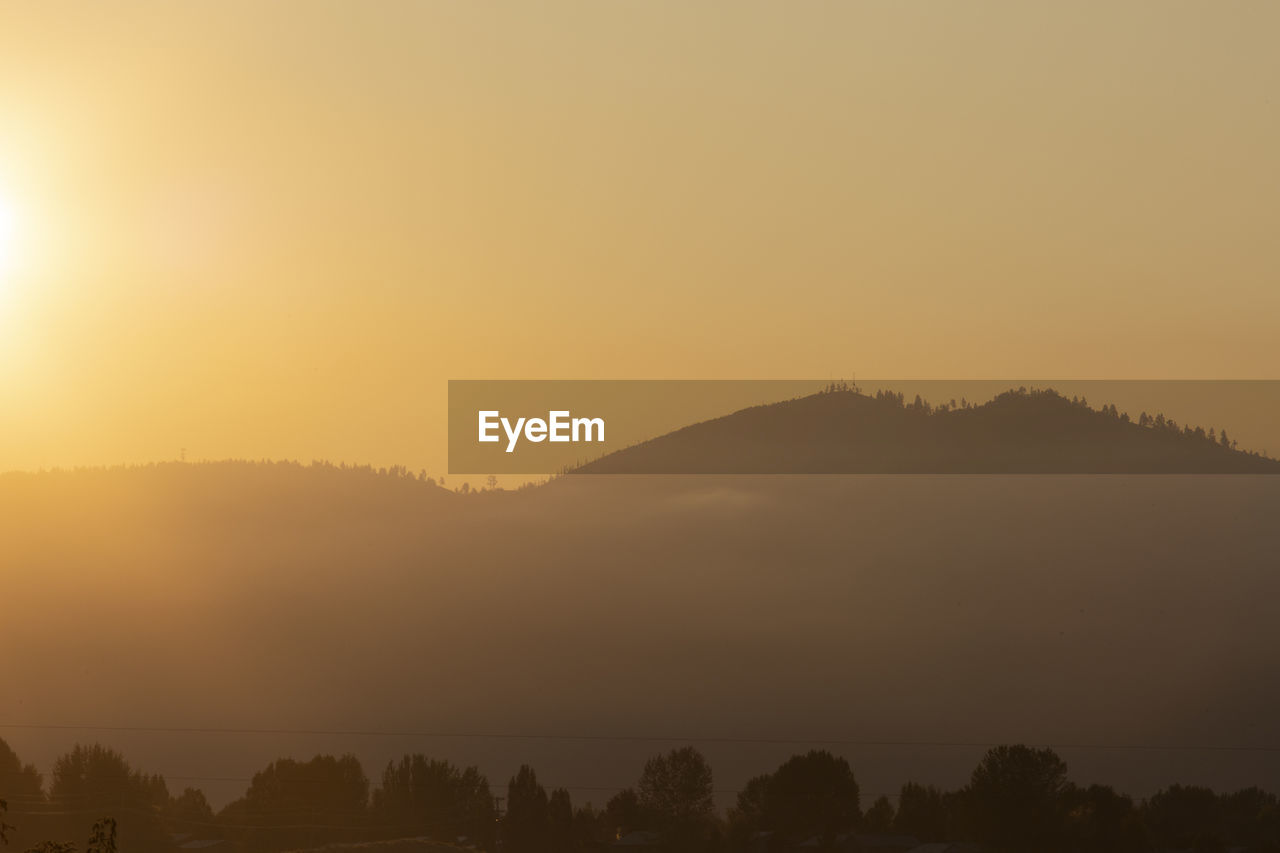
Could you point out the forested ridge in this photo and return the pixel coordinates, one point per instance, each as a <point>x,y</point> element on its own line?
<point>1020,431</point>
<point>1135,612</point>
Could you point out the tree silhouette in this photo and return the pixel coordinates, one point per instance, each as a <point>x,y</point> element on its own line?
<point>526,827</point>
<point>102,839</point>
<point>622,813</point>
<point>293,803</point>
<point>921,812</point>
<point>560,821</point>
<point>676,793</point>
<point>435,798</point>
<point>325,785</point>
<point>21,781</point>
<point>814,793</point>
<point>1251,817</point>
<point>1186,816</point>
<point>1100,819</point>
<point>95,779</point>
<point>190,807</point>
<point>1016,798</point>
<point>879,818</point>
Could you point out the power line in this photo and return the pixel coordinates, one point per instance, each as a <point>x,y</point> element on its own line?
<point>536,736</point>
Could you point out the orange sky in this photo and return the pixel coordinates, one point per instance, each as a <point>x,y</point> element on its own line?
<point>276,230</point>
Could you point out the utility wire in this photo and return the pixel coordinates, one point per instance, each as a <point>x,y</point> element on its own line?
<point>535,736</point>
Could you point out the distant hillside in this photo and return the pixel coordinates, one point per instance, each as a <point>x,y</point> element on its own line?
<point>283,494</point>
<point>842,431</point>
<point>268,597</point>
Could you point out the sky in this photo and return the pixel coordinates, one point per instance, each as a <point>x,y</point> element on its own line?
<point>276,230</point>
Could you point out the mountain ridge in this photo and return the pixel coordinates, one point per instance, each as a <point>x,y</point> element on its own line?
<point>1021,431</point>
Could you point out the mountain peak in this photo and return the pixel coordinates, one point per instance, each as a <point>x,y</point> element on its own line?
<point>1020,431</point>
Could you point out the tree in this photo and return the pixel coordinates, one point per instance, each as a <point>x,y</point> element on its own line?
<point>91,780</point>
<point>527,826</point>
<point>879,818</point>
<point>676,794</point>
<point>1251,817</point>
<point>22,782</point>
<point>622,813</point>
<point>324,786</point>
<point>1186,816</point>
<point>97,773</point>
<point>921,812</point>
<point>191,807</point>
<point>102,839</point>
<point>749,811</point>
<point>190,812</point>
<point>812,794</point>
<point>301,804</point>
<point>1100,819</point>
<point>435,798</point>
<point>1016,796</point>
<point>23,788</point>
<point>590,828</point>
<point>560,821</point>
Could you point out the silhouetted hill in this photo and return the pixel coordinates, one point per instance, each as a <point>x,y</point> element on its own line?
<point>268,597</point>
<point>842,431</point>
<point>282,495</point>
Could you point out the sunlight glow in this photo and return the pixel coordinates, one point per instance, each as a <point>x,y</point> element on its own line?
<point>8,236</point>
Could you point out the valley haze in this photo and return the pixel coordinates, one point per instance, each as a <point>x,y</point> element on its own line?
<point>904,621</point>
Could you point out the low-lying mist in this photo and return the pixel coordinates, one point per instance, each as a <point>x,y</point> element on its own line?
<point>903,621</point>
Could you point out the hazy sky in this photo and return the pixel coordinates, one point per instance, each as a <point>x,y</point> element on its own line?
<point>276,230</point>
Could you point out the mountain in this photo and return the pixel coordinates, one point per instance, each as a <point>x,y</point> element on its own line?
<point>912,619</point>
<point>842,431</point>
